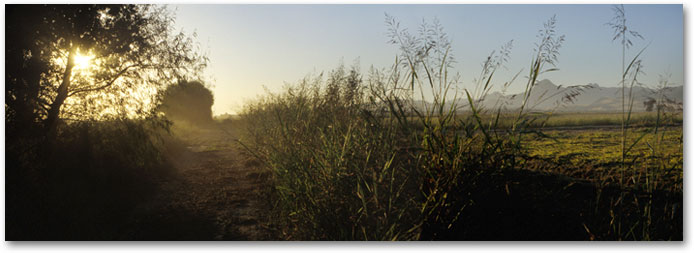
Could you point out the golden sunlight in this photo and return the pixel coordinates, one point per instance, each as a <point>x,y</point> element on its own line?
<point>82,61</point>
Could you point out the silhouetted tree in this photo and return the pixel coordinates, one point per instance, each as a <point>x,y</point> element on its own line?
<point>106,159</point>
<point>188,101</point>
<point>135,53</point>
<point>649,104</point>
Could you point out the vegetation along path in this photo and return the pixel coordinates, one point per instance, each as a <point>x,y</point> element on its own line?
<point>215,193</point>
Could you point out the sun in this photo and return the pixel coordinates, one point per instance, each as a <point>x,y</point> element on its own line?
<point>83,61</point>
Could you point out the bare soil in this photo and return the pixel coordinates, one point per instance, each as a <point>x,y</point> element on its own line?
<point>214,193</point>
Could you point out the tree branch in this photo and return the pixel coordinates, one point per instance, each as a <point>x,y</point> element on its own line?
<point>109,83</point>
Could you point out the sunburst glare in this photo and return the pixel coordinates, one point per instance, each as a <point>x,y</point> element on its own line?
<point>82,60</point>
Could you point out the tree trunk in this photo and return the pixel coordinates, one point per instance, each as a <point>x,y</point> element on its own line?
<point>51,122</point>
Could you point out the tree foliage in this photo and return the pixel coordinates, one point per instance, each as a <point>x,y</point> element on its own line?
<point>188,101</point>
<point>133,52</point>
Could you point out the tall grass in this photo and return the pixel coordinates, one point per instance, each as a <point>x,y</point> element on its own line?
<point>649,172</point>
<point>361,157</point>
<point>350,162</point>
<point>338,166</point>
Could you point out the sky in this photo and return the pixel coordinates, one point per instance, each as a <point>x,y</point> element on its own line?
<point>258,48</point>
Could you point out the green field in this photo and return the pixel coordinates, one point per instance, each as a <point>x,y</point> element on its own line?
<point>596,154</point>
<point>588,119</point>
<point>579,120</point>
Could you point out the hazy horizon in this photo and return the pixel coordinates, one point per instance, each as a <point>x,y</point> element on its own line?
<point>253,47</point>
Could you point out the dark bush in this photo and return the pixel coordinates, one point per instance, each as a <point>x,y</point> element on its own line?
<point>83,185</point>
<point>188,101</point>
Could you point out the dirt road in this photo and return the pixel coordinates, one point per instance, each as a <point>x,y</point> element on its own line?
<point>215,193</point>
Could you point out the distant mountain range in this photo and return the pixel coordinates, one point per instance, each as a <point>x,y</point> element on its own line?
<point>547,96</point>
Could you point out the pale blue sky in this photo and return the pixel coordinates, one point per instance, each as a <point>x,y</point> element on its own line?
<point>251,46</point>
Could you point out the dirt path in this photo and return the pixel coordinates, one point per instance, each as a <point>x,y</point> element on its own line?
<point>216,193</point>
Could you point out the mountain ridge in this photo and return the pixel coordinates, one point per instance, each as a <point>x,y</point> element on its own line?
<point>547,96</point>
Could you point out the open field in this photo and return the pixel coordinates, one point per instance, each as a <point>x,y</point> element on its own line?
<point>597,119</point>
<point>595,154</point>
<point>578,120</point>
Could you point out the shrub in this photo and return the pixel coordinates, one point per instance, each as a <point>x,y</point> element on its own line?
<point>188,101</point>
<point>83,184</point>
